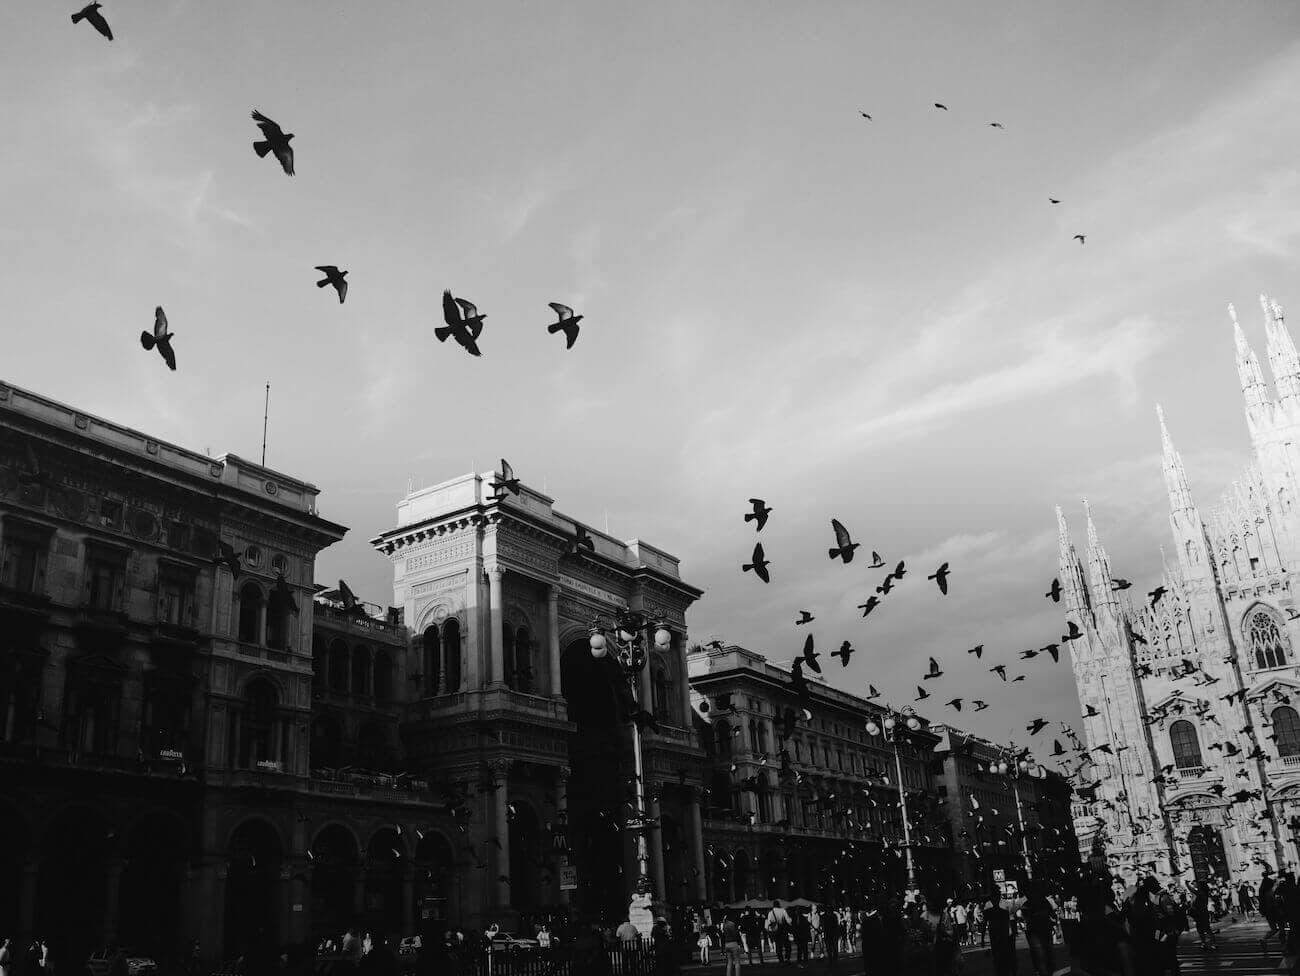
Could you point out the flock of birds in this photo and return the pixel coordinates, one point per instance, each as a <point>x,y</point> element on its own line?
<point>463,321</point>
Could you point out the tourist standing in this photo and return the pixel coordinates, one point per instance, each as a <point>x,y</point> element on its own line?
<point>731,946</point>
<point>802,931</point>
<point>1040,919</point>
<point>751,932</point>
<point>1001,931</point>
<point>831,936</point>
<point>778,926</point>
<point>1244,901</point>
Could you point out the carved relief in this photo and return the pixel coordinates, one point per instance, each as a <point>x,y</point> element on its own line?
<point>442,584</point>
<point>525,556</point>
<point>463,549</point>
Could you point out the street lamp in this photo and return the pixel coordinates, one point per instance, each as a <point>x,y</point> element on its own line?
<point>628,634</point>
<point>1014,770</point>
<point>892,732</point>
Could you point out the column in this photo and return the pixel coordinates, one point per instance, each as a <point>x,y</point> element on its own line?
<point>500,798</point>
<point>497,669</point>
<point>553,637</point>
<point>679,652</point>
<point>473,630</point>
<point>697,846</point>
<point>562,818</point>
<point>408,898</point>
<point>112,891</point>
<point>654,839</point>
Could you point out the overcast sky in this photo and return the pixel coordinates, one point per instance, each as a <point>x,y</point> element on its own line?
<point>884,321</point>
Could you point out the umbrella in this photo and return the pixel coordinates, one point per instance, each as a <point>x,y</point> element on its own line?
<point>751,903</point>
<point>801,903</point>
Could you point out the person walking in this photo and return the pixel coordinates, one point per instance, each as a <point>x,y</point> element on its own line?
<point>1040,920</point>
<point>1267,905</point>
<point>751,933</point>
<point>1244,902</point>
<point>1001,936</point>
<point>831,936</point>
<point>801,929</point>
<point>731,946</point>
<point>1201,915</point>
<point>6,958</point>
<point>778,926</point>
<point>661,938</point>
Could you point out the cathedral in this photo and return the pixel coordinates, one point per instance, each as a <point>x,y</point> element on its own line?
<point>1189,693</point>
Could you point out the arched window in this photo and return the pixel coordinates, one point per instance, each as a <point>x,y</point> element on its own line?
<point>1286,727</point>
<point>660,694</point>
<point>722,736</point>
<point>1187,748</point>
<point>432,660</point>
<point>524,671</point>
<point>383,676</point>
<point>511,676</point>
<point>1265,640</point>
<point>256,728</point>
<point>755,744</point>
<point>372,751</point>
<point>451,651</point>
<point>279,620</point>
<point>250,614</point>
<point>360,671</point>
<point>338,665</point>
<point>326,743</point>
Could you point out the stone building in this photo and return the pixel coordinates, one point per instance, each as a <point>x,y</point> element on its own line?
<point>1192,688</point>
<point>516,720</point>
<point>823,821</point>
<point>1017,822</point>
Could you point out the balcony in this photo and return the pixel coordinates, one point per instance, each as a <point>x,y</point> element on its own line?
<point>357,621</point>
<point>1190,772</point>
<point>365,784</point>
<point>1289,762</point>
<point>101,622</point>
<point>178,636</point>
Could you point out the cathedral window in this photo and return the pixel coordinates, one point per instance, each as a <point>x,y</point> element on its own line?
<point>432,660</point>
<point>1187,747</point>
<point>1286,729</point>
<point>1266,640</point>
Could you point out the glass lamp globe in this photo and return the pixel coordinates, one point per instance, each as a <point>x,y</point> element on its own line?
<point>663,638</point>
<point>873,728</point>
<point>890,723</point>
<point>625,635</point>
<point>1024,765</point>
<point>913,722</point>
<point>597,642</point>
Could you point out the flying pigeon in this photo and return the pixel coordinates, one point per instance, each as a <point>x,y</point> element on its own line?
<point>809,655</point>
<point>1072,631</point>
<point>1080,238</point>
<point>804,617</point>
<point>921,693</point>
<point>934,670</point>
<point>335,277</point>
<point>581,540</point>
<point>160,338</point>
<point>940,576</point>
<point>759,564</point>
<point>872,692</point>
<point>871,604</point>
<point>940,105</point>
<point>955,703</point>
<point>899,571</point>
<point>996,125</point>
<point>977,650</point>
<point>507,480</point>
<point>1054,650</point>
<point>465,332</point>
<point>864,115</point>
<point>844,546</point>
<point>92,15</point>
<point>226,554</point>
<point>980,705</point>
<point>276,141</point>
<point>1052,200</point>
<point>845,651</point>
<point>1001,670</point>
<point>1118,583</point>
<point>886,585</point>
<point>759,514</point>
<point>1055,591</point>
<point>1156,594</point>
<point>876,561</point>
<point>1019,677</point>
<point>566,323</point>
<point>1036,726</point>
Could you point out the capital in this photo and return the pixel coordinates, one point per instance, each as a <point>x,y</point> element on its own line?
<point>499,769</point>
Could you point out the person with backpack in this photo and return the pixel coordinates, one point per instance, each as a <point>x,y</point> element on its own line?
<point>731,946</point>
<point>801,929</point>
<point>1040,920</point>
<point>778,926</point>
<point>751,931</point>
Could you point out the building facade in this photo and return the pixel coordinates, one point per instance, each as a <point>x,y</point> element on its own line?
<point>817,814</point>
<point>516,722</point>
<point>1189,717</point>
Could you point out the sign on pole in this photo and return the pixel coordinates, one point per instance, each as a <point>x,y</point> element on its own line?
<point>568,877</point>
<point>999,876</point>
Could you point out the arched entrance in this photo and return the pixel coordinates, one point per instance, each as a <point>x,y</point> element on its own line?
<point>383,893</point>
<point>1205,845</point>
<point>157,849</point>
<point>437,896</point>
<point>594,692</point>
<point>74,878</point>
<point>525,852</point>
<point>252,879</point>
<point>744,882</point>
<point>334,863</point>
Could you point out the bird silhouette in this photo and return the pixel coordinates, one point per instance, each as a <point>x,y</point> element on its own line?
<point>1072,631</point>
<point>457,326</point>
<point>844,653</point>
<point>1055,591</point>
<point>335,277</point>
<point>940,576</point>
<point>759,564</point>
<point>160,338</point>
<point>1000,670</point>
<point>506,480</point>
<point>844,546</point>
<point>980,705</point>
<point>996,125</point>
<point>871,604</point>
<point>941,105</point>
<point>1019,677</point>
<point>566,323</point>
<point>1052,200</point>
<point>1081,238</point>
<point>92,15</point>
<point>1036,726</point>
<point>759,514</point>
<point>276,141</point>
<point>1054,650</point>
<point>809,655</point>
<point>886,585</point>
<point>581,540</point>
<point>921,693</point>
<point>977,650</point>
<point>1119,584</point>
<point>1156,595</point>
<point>226,554</point>
<point>934,670</point>
<point>864,115</point>
<point>876,561</point>
<point>955,703</point>
<point>872,693</point>
<point>284,594</point>
<point>804,618</point>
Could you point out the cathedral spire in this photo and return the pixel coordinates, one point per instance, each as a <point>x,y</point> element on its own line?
<point>1103,589</point>
<point>1077,603</point>
<point>1180,494</point>
<point>1282,357</point>
<point>1252,379</point>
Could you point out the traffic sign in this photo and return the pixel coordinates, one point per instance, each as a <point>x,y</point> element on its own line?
<point>568,877</point>
<point>999,876</point>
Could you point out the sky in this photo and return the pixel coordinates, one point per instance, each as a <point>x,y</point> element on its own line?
<point>882,321</point>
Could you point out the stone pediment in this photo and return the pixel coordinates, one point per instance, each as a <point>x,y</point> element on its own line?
<point>1283,683</point>
<point>1175,698</point>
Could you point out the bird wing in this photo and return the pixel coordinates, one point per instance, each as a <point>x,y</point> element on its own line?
<point>342,286</point>
<point>159,322</point>
<point>168,355</point>
<point>466,339</point>
<point>284,153</point>
<point>468,307</point>
<point>758,553</point>
<point>563,311</point>
<point>841,533</point>
<point>329,269</point>
<point>942,580</point>
<point>269,128</point>
<point>450,310</point>
<point>570,335</point>
<point>101,25</point>
<point>507,472</point>
<point>474,328</point>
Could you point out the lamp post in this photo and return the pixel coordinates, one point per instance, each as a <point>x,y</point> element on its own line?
<point>895,725</point>
<point>1015,769</point>
<point>626,636</point>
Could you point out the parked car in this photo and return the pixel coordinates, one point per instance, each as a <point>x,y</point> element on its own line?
<point>409,945</point>
<point>100,962</point>
<point>503,942</point>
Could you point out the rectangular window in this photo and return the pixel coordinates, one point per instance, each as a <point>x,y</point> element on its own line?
<point>105,573</point>
<point>175,596</point>
<point>110,513</point>
<point>178,535</point>
<point>24,561</point>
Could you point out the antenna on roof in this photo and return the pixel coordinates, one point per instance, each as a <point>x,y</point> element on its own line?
<point>607,521</point>
<point>266,409</point>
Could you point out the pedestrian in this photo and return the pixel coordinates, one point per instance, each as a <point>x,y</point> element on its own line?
<point>831,936</point>
<point>1001,936</point>
<point>1244,901</point>
<point>801,929</point>
<point>893,938</point>
<point>731,946</point>
<point>751,933</point>
<point>1201,914</point>
<point>1267,906</point>
<point>778,926</point>
<point>661,939</point>
<point>1040,919</point>
<point>959,920</point>
<point>702,943</point>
